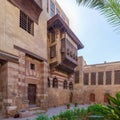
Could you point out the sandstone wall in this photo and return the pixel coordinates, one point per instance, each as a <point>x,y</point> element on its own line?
<point>82,92</point>
<point>11,34</point>
<point>3,88</point>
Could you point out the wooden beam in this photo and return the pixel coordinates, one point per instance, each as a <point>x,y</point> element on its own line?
<point>29,7</point>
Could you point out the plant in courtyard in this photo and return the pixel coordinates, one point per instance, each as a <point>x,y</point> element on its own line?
<point>109,8</point>
<point>68,106</point>
<point>113,107</point>
<point>75,104</point>
<point>110,112</point>
<point>75,114</point>
<point>54,117</point>
<point>97,109</point>
<point>82,114</point>
<point>68,114</point>
<point>42,117</point>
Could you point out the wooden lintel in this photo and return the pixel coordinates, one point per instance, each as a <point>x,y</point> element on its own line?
<point>8,57</point>
<point>30,53</point>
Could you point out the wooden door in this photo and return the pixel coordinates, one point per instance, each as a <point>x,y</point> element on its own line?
<point>32,93</point>
<point>92,97</point>
<point>71,97</point>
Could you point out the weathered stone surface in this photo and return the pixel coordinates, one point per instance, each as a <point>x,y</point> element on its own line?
<point>82,92</point>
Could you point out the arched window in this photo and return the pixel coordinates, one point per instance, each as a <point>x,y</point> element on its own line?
<point>71,86</point>
<point>65,84</point>
<point>92,97</point>
<point>106,97</point>
<point>55,82</point>
<point>48,82</point>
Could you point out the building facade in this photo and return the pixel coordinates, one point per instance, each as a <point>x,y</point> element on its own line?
<point>95,82</point>
<point>38,55</point>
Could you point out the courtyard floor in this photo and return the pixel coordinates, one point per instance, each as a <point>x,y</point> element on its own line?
<point>50,112</point>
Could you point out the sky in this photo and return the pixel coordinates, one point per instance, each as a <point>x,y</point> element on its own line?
<point>101,42</point>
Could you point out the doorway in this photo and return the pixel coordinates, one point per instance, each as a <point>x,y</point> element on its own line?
<point>71,97</point>
<point>92,97</point>
<point>32,94</point>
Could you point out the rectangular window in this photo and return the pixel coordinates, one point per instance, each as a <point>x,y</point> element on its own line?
<point>86,78</point>
<point>32,66</point>
<point>52,9</point>
<point>108,77</point>
<point>53,51</point>
<point>47,5</point>
<point>26,23</point>
<point>93,78</point>
<point>77,76</point>
<point>117,77</point>
<point>100,78</point>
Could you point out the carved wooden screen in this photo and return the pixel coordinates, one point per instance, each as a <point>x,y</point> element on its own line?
<point>100,78</point>
<point>26,23</point>
<point>108,77</point>
<point>77,76</point>
<point>86,78</point>
<point>53,37</point>
<point>93,78</point>
<point>117,77</point>
<point>53,51</point>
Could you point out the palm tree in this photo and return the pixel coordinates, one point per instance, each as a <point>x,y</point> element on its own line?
<point>109,8</point>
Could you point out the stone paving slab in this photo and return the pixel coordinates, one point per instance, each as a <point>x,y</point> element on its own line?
<point>50,112</point>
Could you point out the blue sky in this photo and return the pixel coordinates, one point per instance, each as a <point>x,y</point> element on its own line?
<point>101,42</point>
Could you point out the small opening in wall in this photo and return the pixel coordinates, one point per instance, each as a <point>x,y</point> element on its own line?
<point>32,66</point>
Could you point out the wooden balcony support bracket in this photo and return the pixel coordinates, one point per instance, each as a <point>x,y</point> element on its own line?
<point>58,22</point>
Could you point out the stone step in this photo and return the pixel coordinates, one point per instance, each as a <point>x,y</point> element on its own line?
<point>37,112</point>
<point>33,108</point>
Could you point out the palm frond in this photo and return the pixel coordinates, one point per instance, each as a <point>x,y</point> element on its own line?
<point>109,8</point>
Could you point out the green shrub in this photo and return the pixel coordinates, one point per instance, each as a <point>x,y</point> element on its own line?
<point>42,117</point>
<point>97,109</point>
<point>75,104</point>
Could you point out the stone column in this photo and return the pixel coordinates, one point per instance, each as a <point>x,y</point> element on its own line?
<point>22,85</point>
<point>43,88</point>
<point>3,90</point>
<point>104,78</point>
<point>113,77</point>
<point>89,78</point>
<point>96,78</point>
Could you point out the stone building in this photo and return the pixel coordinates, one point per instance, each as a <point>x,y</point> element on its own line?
<point>38,55</point>
<point>93,83</point>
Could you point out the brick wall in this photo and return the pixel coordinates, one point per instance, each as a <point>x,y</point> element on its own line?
<point>3,88</point>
